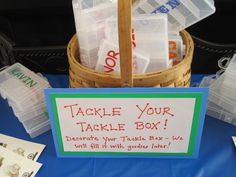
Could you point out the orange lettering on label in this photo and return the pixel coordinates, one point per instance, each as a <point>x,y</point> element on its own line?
<point>172,49</point>
<point>173,45</point>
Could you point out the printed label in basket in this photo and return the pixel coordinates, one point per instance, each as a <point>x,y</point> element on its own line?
<point>109,59</point>
<point>176,49</point>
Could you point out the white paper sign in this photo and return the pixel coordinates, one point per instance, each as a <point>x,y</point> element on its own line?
<point>133,124</point>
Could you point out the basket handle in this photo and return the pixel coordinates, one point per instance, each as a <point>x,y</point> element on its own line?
<point>125,41</point>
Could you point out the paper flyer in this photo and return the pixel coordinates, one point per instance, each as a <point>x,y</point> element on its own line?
<point>23,148</point>
<point>12,165</point>
<point>234,139</point>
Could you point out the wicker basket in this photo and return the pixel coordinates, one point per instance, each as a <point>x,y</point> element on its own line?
<point>83,77</point>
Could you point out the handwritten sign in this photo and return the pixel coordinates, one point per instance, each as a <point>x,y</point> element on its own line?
<point>127,122</point>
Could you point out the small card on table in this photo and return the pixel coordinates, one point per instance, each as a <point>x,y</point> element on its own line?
<point>23,148</point>
<point>14,165</point>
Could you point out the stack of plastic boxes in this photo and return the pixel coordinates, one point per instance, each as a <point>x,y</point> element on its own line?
<point>90,16</point>
<point>24,91</point>
<point>222,95</point>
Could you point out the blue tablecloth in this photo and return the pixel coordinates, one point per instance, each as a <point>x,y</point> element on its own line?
<point>217,153</point>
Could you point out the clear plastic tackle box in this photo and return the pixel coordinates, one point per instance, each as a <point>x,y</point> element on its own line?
<point>181,13</point>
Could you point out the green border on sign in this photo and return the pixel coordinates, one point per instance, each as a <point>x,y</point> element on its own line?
<point>194,129</point>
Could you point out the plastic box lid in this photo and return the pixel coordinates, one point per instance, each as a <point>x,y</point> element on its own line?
<point>157,65</point>
<point>181,13</point>
<point>35,111</point>
<point>91,15</point>
<point>26,104</point>
<point>176,48</point>
<point>216,111</point>
<point>156,48</point>
<point>22,75</point>
<point>19,85</point>
<point>89,57</point>
<point>207,81</point>
<point>231,69</point>
<point>35,121</point>
<point>150,34</point>
<point>40,129</point>
<point>88,4</point>
<point>146,26</point>
<point>91,38</point>
<point>225,89</point>
<point>222,95</point>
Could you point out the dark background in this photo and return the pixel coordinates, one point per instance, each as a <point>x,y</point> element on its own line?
<point>50,24</point>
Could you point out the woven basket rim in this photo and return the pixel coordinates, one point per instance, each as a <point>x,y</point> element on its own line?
<point>80,74</point>
<point>187,59</point>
